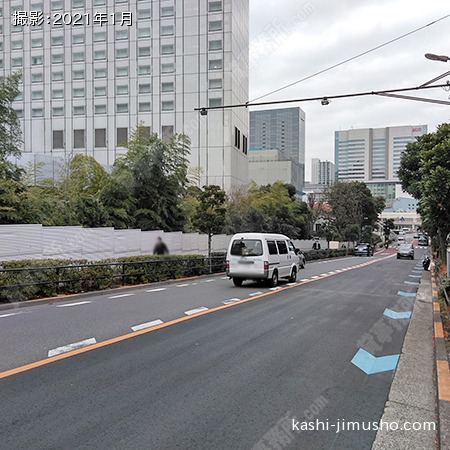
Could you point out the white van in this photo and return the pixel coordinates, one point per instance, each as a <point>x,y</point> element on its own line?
<point>261,256</point>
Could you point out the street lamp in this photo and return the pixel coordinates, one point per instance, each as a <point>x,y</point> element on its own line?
<point>434,57</point>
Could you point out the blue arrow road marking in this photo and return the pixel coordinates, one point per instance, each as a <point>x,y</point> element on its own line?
<point>415,276</point>
<point>371,364</point>
<point>406,294</point>
<point>397,315</point>
<point>412,283</point>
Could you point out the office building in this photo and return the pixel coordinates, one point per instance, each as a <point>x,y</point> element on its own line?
<point>373,155</point>
<point>94,69</point>
<point>322,172</point>
<point>283,130</point>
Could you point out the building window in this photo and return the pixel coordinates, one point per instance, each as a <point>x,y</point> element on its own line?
<point>121,71</point>
<point>167,68</point>
<point>122,136</point>
<point>215,83</point>
<point>56,6</point>
<point>237,137</point>
<point>99,54</point>
<point>58,111</point>
<point>122,107</point>
<point>78,139</point>
<point>100,73</point>
<point>167,30</point>
<point>37,60</point>
<point>57,40</point>
<point>37,77</point>
<point>58,139</point>
<point>244,144</point>
<point>214,6</point>
<point>78,57</point>
<point>167,87</point>
<point>36,7</point>
<point>78,74</point>
<point>78,39</point>
<point>167,49</point>
<point>144,70</point>
<point>215,64</point>
<point>57,76</point>
<point>57,93</point>
<point>99,2</point>
<point>78,92</point>
<point>215,45</point>
<point>144,32</point>
<point>37,95</point>
<point>100,137</point>
<point>145,106</point>
<point>17,45</point>
<point>19,113</point>
<point>167,106</point>
<point>16,62</point>
<point>77,3</point>
<point>122,90</point>
<point>167,11</point>
<point>144,14</point>
<point>121,53</point>
<point>215,102</point>
<point>37,112</point>
<point>121,35</point>
<point>215,25</point>
<point>167,132</point>
<point>144,51</point>
<point>100,91</point>
<point>100,109</point>
<point>100,36</point>
<point>78,111</point>
<point>19,97</point>
<point>57,59</point>
<point>144,88</point>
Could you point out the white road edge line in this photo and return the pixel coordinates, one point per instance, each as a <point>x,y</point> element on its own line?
<point>142,326</point>
<point>196,310</point>
<point>73,304</point>
<point>120,295</point>
<point>156,290</point>
<point>70,347</point>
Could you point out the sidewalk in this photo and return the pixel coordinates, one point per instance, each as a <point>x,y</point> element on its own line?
<point>413,395</point>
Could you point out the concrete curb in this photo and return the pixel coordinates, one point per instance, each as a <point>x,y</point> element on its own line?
<point>442,369</point>
<point>412,397</point>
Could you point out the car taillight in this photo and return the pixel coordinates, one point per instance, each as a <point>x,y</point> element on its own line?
<point>228,265</point>
<point>266,265</point>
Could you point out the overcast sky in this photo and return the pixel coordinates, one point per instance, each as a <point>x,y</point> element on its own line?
<point>291,39</point>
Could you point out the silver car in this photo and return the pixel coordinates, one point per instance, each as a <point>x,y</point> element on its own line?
<point>405,251</point>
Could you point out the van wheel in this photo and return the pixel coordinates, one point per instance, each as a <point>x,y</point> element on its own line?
<point>293,277</point>
<point>273,282</point>
<point>237,281</point>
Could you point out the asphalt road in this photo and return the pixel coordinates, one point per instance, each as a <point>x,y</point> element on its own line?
<point>234,378</point>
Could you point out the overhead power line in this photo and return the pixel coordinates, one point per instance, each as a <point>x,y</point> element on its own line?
<point>349,59</point>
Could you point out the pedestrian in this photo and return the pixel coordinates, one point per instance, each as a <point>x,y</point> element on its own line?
<point>315,245</point>
<point>318,245</point>
<point>160,247</point>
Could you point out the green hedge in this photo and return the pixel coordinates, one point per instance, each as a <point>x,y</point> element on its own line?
<point>51,277</point>
<point>311,255</point>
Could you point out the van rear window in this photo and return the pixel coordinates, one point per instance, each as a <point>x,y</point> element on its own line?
<point>247,247</point>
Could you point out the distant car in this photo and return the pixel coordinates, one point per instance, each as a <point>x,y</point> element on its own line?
<point>416,236</point>
<point>405,251</point>
<point>401,240</point>
<point>363,249</point>
<point>423,241</point>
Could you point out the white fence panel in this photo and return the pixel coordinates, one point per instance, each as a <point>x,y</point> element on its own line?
<point>59,242</point>
<point>126,243</point>
<point>29,238</point>
<point>97,243</point>
<point>174,242</point>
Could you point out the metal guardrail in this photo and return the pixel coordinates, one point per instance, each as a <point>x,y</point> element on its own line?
<point>120,274</point>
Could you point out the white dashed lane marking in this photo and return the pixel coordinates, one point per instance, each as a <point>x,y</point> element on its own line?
<point>143,326</point>
<point>156,290</point>
<point>8,315</point>
<point>121,295</point>
<point>70,347</point>
<point>305,279</point>
<point>231,300</point>
<point>196,310</point>
<point>73,304</point>
<point>255,293</point>
<point>182,285</point>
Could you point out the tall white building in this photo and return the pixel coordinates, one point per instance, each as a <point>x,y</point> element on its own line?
<point>322,172</point>
<point>94,69</point>
<point>373,155</point>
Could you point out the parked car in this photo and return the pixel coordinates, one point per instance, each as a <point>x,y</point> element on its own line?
<point>261,256</point>
<point>363,249</point>
<point>405,251</point>
<point>423,241</point>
